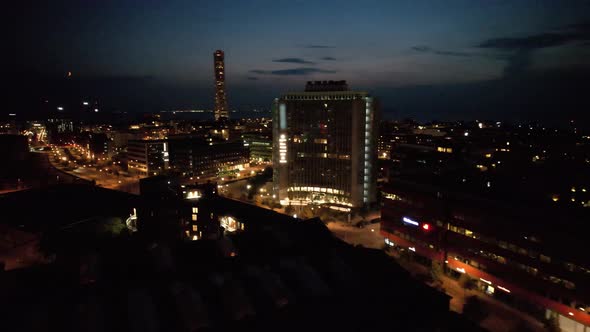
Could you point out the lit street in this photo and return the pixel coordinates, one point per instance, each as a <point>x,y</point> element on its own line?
<point>73,161</point>
<point>501,317</point>
<point>367,236</point>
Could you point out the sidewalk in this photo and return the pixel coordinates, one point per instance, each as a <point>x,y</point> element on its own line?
<point>501,317</point>
<point>368,236</point>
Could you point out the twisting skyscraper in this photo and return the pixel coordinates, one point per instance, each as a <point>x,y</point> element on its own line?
<point>220,110</point>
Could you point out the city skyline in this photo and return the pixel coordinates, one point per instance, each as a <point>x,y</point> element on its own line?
<point>424,61</point>
<point>423,165</point>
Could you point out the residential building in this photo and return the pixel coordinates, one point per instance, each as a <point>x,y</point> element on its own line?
<point>206,157</point>
<point>99,145</point>
<point>259,145</point>
<point>531,258</point>
<point>148,157</point>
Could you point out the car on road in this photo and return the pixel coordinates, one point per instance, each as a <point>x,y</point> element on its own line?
<point>362,224</point>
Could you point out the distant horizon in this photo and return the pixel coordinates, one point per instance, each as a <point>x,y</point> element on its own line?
<point>431,60</point>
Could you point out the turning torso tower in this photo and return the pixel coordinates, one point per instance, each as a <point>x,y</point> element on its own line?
<point>220,110</point>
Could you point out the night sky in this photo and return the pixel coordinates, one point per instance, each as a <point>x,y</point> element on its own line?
<point>425,59</point>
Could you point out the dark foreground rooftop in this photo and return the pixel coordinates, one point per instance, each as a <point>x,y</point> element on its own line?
<point>289,276</point>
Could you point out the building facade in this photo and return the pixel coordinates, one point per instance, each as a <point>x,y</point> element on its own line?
<point>147,157</point>
<point>59,130</point>
<point>100,145</point>
<point>528,258</point>
<point>206,158</point>
<point>324,146</point>
<point>259,145</point>
<point>220,110</point>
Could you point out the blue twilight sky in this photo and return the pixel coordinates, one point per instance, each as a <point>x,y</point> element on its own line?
<point>425,59</point>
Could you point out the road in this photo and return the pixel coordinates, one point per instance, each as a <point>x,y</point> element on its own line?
<point>501,317</point>
<point>246,173</point>
<point>103,174</point>
<point>367,236</point>
<point>107,174</point>
<point>33,172</point>
<point>53,174</point>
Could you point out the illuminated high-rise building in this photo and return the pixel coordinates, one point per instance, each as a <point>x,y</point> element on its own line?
<point>220,110</point>
<point>324,146</point>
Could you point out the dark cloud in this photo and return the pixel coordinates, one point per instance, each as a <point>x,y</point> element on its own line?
<point>531,96</point>
<point>318,46</point>
<point>522,48</point>
<point>293,71</point>
<point>580,27</point>
<point>452,53</point>
<point>114,78</point>
<point>518,63</point>
<point>252,78</point>
<point>328,58</point>
<point>421,48</point>
<point>294,60</point>
<point>570,33</point>
<point>426,49</point>
<point>530,42</point>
